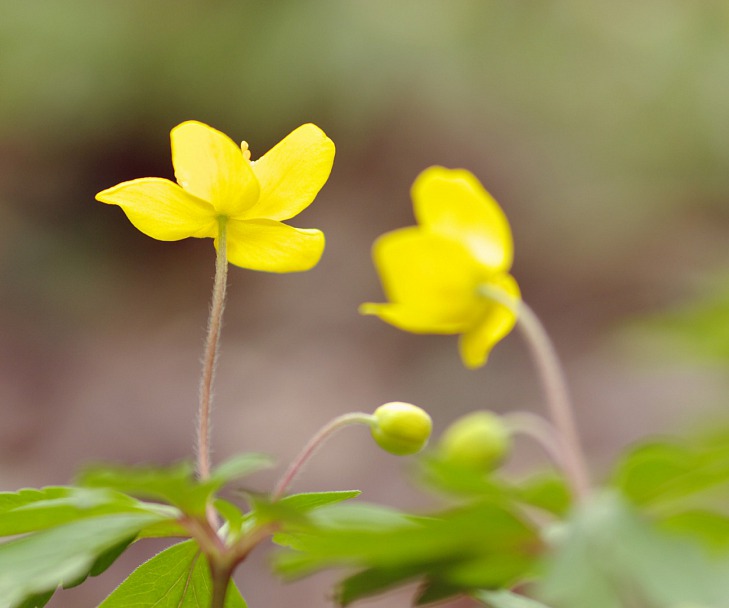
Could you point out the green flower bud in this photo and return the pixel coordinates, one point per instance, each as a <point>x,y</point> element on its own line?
<point>479,440</point>
<point>401,428</point>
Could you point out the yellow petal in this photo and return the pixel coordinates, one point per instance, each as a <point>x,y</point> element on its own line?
<point>495,323</point>
<point>411,318</point>
<point>161,209</point>
<point>432,279</point>
<point>209,165</point>
<point>272,246</point>
<point>292,173</point>
<point>455,204</point>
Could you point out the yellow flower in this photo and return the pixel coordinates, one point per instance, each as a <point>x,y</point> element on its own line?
<point>218,185</point>
<point>435,275</point>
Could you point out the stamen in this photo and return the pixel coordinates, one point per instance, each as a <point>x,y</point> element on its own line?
<point>246,151</point>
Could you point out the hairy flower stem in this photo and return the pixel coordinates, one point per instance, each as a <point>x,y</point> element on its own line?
<point>555,389</point>
<point>314,444</point>
<point>210,355</point>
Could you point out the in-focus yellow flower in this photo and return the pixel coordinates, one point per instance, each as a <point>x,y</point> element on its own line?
<point>434,274</point>
<point>218,184</point>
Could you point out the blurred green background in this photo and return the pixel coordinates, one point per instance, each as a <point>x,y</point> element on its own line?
<point>601,127</point>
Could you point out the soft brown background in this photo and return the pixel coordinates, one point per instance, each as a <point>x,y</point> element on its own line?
<point>602,128</point>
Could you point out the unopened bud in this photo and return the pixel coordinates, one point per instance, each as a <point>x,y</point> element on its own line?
<point>401,428</point>
<point>478,441</point>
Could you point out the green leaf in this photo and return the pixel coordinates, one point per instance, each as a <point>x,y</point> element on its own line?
<point>506,599</point>
<point>382,539</point>
<point>547,491</point>
<point>176,484</point>
<point>666,471</point>
<point>38,510</point>
<point>709,528</point>
<point>37,601</point>
<point>608,556</point>
<point>295,508</point>
<point>40,562</point>
<point>308,501</point>
<point>103,562</point>
<point>13,500</point>
<point>697,329</point>
<point>238,467</point>
<point>234,517</point>
<point>450,478</point>
<point>372,581</point>
<point>178,577</point>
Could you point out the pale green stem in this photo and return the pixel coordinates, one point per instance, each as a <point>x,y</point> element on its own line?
<point>210,355</point>
<point>538,429</point>
<point>315,443</point>
<point>554,385</point>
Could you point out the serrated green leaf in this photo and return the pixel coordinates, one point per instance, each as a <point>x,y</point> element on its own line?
<point>295,508</point>
<point>238,467</point>
<point>37,601</point>
<point>308,501</point>
<point>26,496</point>
<point>176,484</point>
<point>451,539</point>
<point>506,599</point>
<point>64,507</point>
<point>40,562</point>
<point>178,577</point>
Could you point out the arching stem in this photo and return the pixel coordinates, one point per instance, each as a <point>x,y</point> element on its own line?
<point>538,429</point>
<point>210,354</point>
<point>314,444</point>
<point>554,386</point>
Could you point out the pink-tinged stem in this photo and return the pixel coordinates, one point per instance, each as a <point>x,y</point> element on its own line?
<point>314,444</point>
<point>210,355</point>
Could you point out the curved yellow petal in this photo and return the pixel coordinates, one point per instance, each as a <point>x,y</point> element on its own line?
<point>428,276</point>
<point>161,209</point>
<point>272,246</point>
<point>210,166</point>
<point>292,173</point>
<point>411,318</point>
<point>453,202</point>
<point>495,322</point>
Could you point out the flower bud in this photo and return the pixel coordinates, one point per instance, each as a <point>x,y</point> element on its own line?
<point>401,428</point>
<point>479,441</point>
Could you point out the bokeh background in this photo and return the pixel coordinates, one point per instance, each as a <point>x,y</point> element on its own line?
<point>601,127</point>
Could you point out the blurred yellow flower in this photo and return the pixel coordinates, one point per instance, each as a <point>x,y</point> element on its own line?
<point>435,275</point>
<point>219,188</point>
